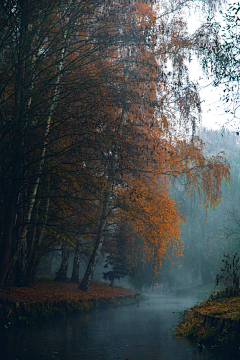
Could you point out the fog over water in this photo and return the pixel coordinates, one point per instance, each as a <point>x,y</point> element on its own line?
<point>135,332</point>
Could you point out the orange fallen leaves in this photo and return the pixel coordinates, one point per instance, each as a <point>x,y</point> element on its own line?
<point>213,322</point>
<point>54,291</point>
<point>223,308</point>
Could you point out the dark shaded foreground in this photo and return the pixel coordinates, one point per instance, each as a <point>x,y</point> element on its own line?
<point>136,332</point>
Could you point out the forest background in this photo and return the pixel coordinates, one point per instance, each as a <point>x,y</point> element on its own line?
<point>206,237</point>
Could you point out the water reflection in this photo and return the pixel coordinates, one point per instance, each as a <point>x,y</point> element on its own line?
<point>133,332</point>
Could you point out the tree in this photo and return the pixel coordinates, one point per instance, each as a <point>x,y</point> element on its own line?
<point>22,113</point>
<point>89,117</point>
<point>76,262</point>
<point>150,123</point>
<point>62,272</point>
<point>220,62</point>
<point>39,53</point>
<point>204,235</point>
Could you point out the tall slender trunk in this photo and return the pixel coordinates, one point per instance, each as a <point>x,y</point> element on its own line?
<point>62,272</point>
<point>31,274</point>
<point>21,265</point>
<point>49,263</point>
<point>33,194</point>
<point>6,246</point>
<point>76,264</point>
<point>16,120</point>
<point>23,99</point>
<point>103,221</point>
<point>98,244</point>
<point>35,249</point>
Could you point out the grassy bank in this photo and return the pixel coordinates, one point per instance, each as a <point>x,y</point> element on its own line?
<point>213,323</point>
<point>47,299</point>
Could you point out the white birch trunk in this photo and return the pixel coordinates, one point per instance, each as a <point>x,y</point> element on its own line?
<point>32,197</point>
<point>98,244</point>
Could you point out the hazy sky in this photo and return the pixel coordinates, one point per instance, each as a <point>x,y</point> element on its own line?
<point>213,114</point>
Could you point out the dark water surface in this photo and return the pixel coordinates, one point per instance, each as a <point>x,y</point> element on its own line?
<point>132,332</point>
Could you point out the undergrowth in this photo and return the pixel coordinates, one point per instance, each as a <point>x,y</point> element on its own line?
<point>227,283</point>
<point>216,321</point>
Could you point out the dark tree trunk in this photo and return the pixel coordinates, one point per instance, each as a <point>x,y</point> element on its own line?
<point>76,264</point>
<point>98,245</point>
<point>31,273</point>
<point>62,272</point>
<point>21,266</point>
<point>91,265</point>
<point>6,246</point>
<point>49,263</point>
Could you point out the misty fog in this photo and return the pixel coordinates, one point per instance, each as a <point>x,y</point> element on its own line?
<point>207,236</point>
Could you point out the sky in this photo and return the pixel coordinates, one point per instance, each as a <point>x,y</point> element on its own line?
<point>213,112</point>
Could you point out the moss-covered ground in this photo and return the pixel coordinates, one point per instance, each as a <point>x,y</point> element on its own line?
<point>213,322</point>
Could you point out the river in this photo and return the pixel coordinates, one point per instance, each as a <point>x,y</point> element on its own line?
<point>135,332</point>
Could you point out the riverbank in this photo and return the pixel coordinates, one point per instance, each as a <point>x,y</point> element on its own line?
<point>46,299</point>
<point>213,323</point>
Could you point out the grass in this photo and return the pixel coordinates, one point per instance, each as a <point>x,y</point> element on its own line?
<point>214,322</point>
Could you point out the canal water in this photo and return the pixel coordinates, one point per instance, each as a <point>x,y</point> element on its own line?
<point>135,332</point>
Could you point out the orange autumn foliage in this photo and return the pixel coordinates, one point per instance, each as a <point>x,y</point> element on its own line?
<point>153,217</point>
<point>99,121</point>
<point>136,141</point>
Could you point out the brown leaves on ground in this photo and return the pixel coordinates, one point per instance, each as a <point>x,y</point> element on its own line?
<point>214,323</point>
<point>222,308</point>
<point>194,323</point>
<point>55,291</point>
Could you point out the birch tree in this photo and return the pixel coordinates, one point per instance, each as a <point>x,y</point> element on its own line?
<point>35,54</point>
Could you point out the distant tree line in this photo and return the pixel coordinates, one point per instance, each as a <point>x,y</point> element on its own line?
<point>207,236</point>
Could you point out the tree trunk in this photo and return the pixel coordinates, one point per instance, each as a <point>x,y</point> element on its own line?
<point>32,271</point>
<point>21,266</point>
<point>23,89</point>
<point>76,264</point>
<point>98,245</point>
<point>35,188</point>
<point>62,272</point>
<point>49,263</point>
<point>5,253</point>
<point>6,245</point>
